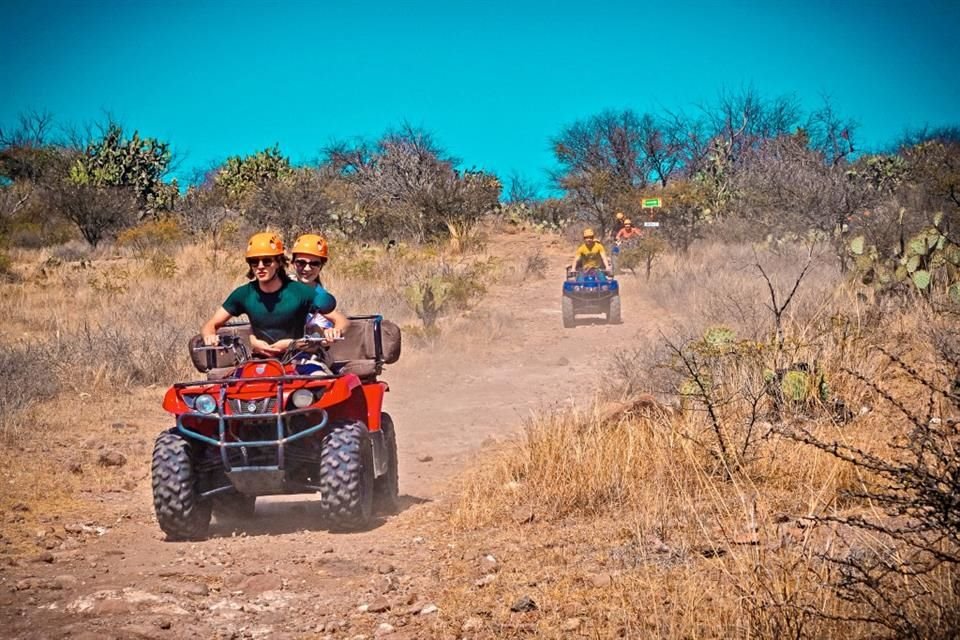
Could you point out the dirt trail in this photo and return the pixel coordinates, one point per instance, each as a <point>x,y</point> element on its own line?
<point>282,575</point>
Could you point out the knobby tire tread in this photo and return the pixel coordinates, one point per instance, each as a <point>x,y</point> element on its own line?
<point>181,513</point>
<point>346,476</point>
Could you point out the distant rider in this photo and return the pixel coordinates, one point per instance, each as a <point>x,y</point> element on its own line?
<point>591,254</point>
<point>276,306</point>
<point>618,223</point>
<point>629,232</point>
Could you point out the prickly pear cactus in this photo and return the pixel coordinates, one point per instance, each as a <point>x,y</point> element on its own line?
<point>797,385</point>
<point>719,340</point>
<point>926,262</point>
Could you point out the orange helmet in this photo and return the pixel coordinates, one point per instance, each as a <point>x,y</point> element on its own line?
<point>264,244</point>
<point>311,244</point>
<point>588,233</point>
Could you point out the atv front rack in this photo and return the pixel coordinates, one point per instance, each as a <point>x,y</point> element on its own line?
<point>223,421</point>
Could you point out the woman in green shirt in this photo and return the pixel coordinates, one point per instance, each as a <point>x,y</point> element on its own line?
<point>276,306</point>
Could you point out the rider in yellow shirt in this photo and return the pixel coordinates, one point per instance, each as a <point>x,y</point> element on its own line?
<point>591,254</point>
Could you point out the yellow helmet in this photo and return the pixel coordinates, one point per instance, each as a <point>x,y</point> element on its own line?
<point>311,244</point>
<point>588,233</point>
<point>264,244</point>
<point>620,215</point>
<point>627,221</point>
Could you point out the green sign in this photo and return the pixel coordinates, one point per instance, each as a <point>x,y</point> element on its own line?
<point>652,203</point>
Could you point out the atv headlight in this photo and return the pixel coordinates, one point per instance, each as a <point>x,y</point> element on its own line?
<point>302,398</point>
<point>205,403</point>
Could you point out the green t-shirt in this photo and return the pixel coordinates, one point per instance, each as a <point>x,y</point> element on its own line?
<point>281,314</point>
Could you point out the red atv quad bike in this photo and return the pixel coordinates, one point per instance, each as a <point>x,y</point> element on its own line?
<point>279,426</point>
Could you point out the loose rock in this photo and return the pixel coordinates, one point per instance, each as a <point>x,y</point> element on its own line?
<point>525,603</point>
<point>424,458</point>
<point>379,605</point>
<point>600,580</point>
<point>383,630</point>
<point>66,581</point>
<point>111,459</point>
<point>485,580</point>
<point>489,564</point>
<point>472,624</point>
<point>255,585</point>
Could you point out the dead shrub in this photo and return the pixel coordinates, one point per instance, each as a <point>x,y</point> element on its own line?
<point>27,378</point>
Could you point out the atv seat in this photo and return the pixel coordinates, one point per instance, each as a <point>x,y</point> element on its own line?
<point>368,343</point>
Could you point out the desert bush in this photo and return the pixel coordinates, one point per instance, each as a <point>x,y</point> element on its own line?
<point>161,233</point>
<point>98,212</point>
<point>536,265</point>
<point>442,287</point>
<point>899,563</point>
<point>406,186</point>
<point>27,379</point>
<point>641,253</point>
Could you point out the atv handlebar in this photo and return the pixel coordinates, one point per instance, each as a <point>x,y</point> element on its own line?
<point>225,342</point>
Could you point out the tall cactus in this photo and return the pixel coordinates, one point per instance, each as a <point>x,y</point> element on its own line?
<point>427,298</point>
<point>137,163</point>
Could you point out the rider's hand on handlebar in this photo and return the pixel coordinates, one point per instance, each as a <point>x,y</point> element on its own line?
<point>332,334</point>
<point>267,349</point>
<point>212,340</point>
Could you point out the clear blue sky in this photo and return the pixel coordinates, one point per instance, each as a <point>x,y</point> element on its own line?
<point>493,80</point>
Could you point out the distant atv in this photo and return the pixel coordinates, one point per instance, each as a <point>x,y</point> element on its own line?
<point>279,426</point>
<point>590,291</point>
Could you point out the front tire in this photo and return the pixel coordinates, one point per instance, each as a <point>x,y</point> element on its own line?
<point>346,476</point>
<point>181,513</point>
<point>613,313</point>
<point>568,316</point>
<point>386,488</point>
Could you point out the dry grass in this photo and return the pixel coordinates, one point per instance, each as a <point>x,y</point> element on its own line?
<point>698,545</point>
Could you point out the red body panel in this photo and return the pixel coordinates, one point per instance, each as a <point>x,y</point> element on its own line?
<point>345,398</point>
<point>373,393</point>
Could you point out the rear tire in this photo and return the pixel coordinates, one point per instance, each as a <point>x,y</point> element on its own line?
<point>386,488</point>
<point>234,507</point>
<point>613,313</point>
<point>346,476</point>
<point>568,316</point>
<point>181,513</point>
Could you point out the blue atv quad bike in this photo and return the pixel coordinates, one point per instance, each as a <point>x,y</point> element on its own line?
<point>591,291</point>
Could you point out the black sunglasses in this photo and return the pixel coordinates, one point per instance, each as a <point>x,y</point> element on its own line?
<point>267,262</point>
<point>300,262</point>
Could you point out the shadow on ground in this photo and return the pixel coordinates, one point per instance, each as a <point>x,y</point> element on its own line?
<point>292,514</point>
